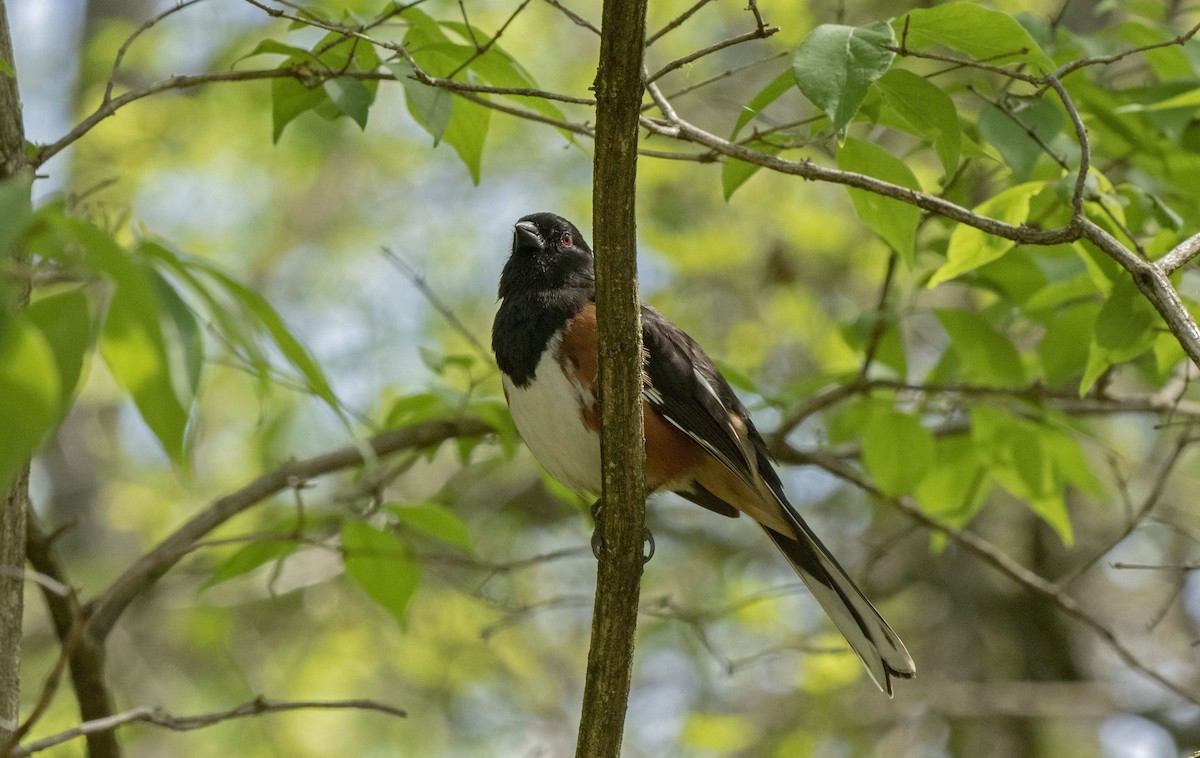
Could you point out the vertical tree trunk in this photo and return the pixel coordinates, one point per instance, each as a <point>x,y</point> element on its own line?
<point>618,98</point>
<point>12,517</point>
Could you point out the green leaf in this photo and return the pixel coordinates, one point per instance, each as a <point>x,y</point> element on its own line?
<point>65,320</point>
<point>496,414</point>
<point>1125,328</point>
<point>135,350</point>
<point>352,97</point>
<point>1189,100</point>
<point>500,69</point>
<point>415,408</point>
<point>6,69</point>
<point>132,341</point>
<point>1026,458</point>
<point>970,248</point>
<point>897,451</point>
<point>734,173</point>
<point>187,329</point>
<point>976,31</point>
<point>30,388</point>
<point>926,111</point>
<point>275,47</point>
<point>892,220</point>
<point>291,347</point>
<point>437,521</point>
<point>957,485</point>
<point>430,107</point>
<point>466,133</point>
<point>1124,325</point>
<point>1020,151</point>
<point>1052,509</point>
<point>378,562</point>
<point>986,355</point>
<point>1064,347</point>
<point>234,327</point>
<point>835,66</point>
<point>289,99</point>
<point>1069,460</point>
<point>769,94</point>
<point>249,557</point>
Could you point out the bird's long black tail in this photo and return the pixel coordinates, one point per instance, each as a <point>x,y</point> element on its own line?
<point>879,648</point>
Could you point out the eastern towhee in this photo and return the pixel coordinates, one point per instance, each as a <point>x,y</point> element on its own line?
<point>700,441</point>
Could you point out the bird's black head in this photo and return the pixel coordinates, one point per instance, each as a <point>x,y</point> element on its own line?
<point>548,253</point>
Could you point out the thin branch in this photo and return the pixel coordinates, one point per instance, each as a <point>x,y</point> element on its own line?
<point>1103,205</point>
<point>1182,441</point>
<point>697,55</point>
<point>727,73</point>
<point>1101,60</point>
<point>752,6</point>
<point>418,280</point>
<point>107,109</point>
<point>482,50</point>
<point>120,56</point>
<point>88,681</point>
<point>575,18</point>
<point>160,718</point>
<point>1081,136</point>
<point>999,560</point>
<point>1153,284</point>
<point>960,62</point>
<point>879,327</point>
<point>1029,131</point>
<point>1179,255</point>
<point>675,22</point>
<point>683,130</point>
<point>467,23</point>
<point>149,568</point>
<point>567,126</point>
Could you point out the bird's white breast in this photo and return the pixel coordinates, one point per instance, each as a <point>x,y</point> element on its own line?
<point>547,413</point>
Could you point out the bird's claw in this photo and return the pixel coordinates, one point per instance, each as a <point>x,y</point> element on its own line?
<point>597,541</point>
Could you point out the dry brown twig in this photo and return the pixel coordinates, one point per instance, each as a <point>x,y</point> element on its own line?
<point>158,717</point>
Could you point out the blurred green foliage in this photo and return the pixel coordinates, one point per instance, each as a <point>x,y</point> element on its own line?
<point>210,301</point>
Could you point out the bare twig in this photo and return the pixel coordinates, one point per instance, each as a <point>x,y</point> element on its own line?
<point>146,570</point>
<point>697,55</point>
<point>676,22</point>
<point>159,717</point>
<point>66,615</point>
<point>1029,131</point>
<point>879,327</point>
<point>1153,284</point>
<point>1101,60</point>
<point>993,556</point>
<point>481,50</point>
<point>807,169</point>
<point>575,18</point>
<point>418,280</point>
<point>110,107</point>
<point>727,73</point>
<point>1179,255</point>
<point>1081,136</point>
<point>1182,441</point>
<point>120,56</point>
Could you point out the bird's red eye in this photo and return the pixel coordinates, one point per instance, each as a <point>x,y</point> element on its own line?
<point>567,239</point>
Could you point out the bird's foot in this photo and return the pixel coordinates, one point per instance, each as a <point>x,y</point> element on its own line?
<point>597,510</point>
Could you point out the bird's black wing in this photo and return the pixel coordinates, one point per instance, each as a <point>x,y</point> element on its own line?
<point>685,387</point>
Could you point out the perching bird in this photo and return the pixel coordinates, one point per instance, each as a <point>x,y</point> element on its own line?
<point>700,441</point>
